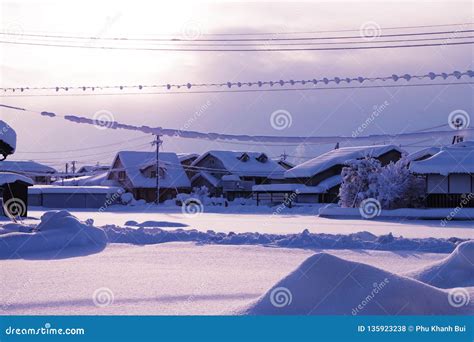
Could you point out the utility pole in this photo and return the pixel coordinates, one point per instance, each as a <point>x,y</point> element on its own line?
<point>73,166</point>
<point>157,143</point>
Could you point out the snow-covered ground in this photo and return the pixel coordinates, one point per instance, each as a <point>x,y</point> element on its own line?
<point>60,265</point>
<point>265,220</point>
<point>171,278</point>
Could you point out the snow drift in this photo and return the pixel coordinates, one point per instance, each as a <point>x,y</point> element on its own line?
<point>361,240</point>
<point>59,234</point>
<point>456,270</point>
<point>327,285</point>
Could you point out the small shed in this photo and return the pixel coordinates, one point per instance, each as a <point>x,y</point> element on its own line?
<point>14,194</point>
<point>50,196</point>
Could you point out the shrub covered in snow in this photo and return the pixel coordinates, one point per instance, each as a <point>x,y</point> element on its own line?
<point>359,182</point>
<point>393,185</point>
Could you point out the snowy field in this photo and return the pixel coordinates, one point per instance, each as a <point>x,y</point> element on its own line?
<point>172,278</point>
<point>172,264</point>
<point>261,219</point>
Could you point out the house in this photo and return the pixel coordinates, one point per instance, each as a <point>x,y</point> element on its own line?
<point>56,196</point>
<point>93,168</point>
<point>234,173</point>
<point>39,173</point>
<point>423,154</point>
<point>449,176</point>
<point>14,194</point>
<point>136,172</point>
<point>318,180</point>
<point>186,159</point>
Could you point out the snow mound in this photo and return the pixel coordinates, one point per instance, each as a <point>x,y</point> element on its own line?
<point>59,234</point>
<point>327,285</point>
<point>457,270</point>
<point>150,233</point>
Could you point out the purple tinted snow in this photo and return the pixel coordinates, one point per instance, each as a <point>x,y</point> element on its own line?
<point>360,240</point>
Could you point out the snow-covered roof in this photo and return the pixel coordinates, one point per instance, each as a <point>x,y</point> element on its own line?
<point>185,156</point>
<point>458,158</point>
<point>23,166</point>
<point>422,154</point>
<point>95,179</point>
<point>330,182</point>
<point>234,163</point>
<point>92,168</point>
<point>135,161</point>
<point>7,135</point>
<point>10,177</point>
<point>233,178</point>
<point>338,156</point>
<point>57,189</point>
<point>298,188</point>
<point>207,176</point>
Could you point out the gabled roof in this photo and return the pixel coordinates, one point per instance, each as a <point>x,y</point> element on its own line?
<point>25,167</point>
<point>338,156</point>
<point>423,154</point>
<point>458,158</point>
<point>134,161</point>
<point>207,176</point>
<point>186,156</point>
<point>235,164</point>
<point>10,177</point>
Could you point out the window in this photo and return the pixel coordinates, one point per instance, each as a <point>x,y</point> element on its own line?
<point>122,175</point>
<point>459,183</point>
<point>437,184</point>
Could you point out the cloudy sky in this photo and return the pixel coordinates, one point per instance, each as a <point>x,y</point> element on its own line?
<point>313,113</point>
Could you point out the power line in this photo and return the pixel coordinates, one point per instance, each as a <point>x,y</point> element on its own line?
<point>271,43</point>
<point>82,149</point>
<point>283,32</point>
<point>125,39</point>
<point>239,50</point>
<point>314,81</point>
<point>212,136</point>
<point>245,90</point>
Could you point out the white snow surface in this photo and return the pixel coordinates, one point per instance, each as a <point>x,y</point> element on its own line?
<point>164,279</point>
<point>9,177</point>
<point>456,270</point>
<point>8,134</point>
<point>70,189</point>
<point>338,156</point>
<point>25,166</point>
<point>458,158</point>
<point>328,285</point>
<point>95,179</point>
<point>58,233</point>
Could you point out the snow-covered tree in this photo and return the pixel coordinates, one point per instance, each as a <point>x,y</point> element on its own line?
<point>393,185</point>
<point>397,187</point>
<point>359,182</point>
